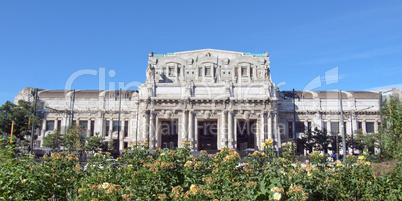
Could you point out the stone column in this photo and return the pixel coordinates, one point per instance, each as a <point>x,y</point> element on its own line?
<point>89,128</point>
<point>121,137</point>
<point>191,129</point>
<point>56,126</point>
<point>152,139</point>
<point>270,125</point>
<point>376,126</point>
<point>262,136</point>
<point>364,126</point>
<point>354,123</point>
<point>254,73</point>
<point>230,131</point>
<point>110,131</point>
<point>276,132</point>
<point>224,129</point>
<point>184,127</point>
<point>145,128</point>
<point>43,131</point>
<point>98,126</point>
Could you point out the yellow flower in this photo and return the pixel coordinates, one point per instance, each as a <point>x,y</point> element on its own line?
<point>277,190</point>
<point>264,145</point>
<point>309,174</point>
<point>105,185</point>
<point>129,166</point>
<point>361,157</point>
<point>277,196</point>
<point>368,163</point>
<point>338,163</point>
<point>108,153</point>
<point>188,164</point>
<point>192,187</point>
<point>268,142</point>
<point>161,196</point>
<point>24,180</point>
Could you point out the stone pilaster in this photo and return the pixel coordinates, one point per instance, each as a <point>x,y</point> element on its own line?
<point>224,134</point>
<point>230,130</point>
<point>152,137</point>
<point>191,129</point>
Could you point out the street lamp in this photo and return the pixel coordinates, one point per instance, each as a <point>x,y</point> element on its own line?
<point>353,116</point>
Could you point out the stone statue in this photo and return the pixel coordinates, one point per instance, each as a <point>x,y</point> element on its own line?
<point>150,73</point>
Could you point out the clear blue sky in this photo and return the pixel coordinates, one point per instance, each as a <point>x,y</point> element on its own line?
<point>42,43</point>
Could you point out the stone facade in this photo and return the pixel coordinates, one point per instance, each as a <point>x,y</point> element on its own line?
<point>210,98</point>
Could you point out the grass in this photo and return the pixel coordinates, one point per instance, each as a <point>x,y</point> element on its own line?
<point>384,168</point>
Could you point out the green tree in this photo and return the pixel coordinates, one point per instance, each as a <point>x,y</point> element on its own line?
<point>75,138</point>
<point>94,143</point>
<point>391,129</point>
<point>21,114</point>
<point>317,140</point>
<point>110,145</point>
<point>363,141</point>
<point>53,140</point>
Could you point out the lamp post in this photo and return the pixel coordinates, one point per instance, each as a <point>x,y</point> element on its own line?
<point>353,116</point>
<point>30,149</point>
<point>118,124</point>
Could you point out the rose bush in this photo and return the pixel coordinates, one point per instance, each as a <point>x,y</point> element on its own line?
<point>177,175</point>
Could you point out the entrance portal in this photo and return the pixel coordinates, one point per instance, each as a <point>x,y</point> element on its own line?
<point>245,131</point>
<point>170,135</point>
<point>207,135</point>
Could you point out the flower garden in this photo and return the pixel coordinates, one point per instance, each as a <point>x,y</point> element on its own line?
<point>177,175</point>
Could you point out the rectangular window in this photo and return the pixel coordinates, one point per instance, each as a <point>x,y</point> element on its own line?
<point>208,71</point>
<point>299,127</point>
<point>107,128</point>
<point>244,71</point>
<point>324,127</point>
<point>115,126</point>
<point>92,128</point>
<point>171,71</point>
<point>125,128</point>
<point>49,125</point>
<point>290,129</point>
<point>359,125</point>
<point>369,127</point>
<point>58,125</point>
<point>335,128</point>
<point>125,145</point>
<point>84,125</point>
